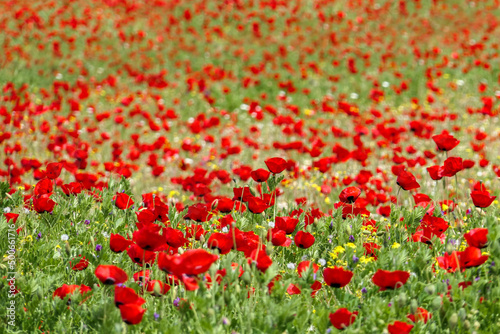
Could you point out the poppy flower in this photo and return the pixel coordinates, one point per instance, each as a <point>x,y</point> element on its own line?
<point>305,265</point>
<point>286,224</point>
<point>131,313</point>
<point>293,289</point>
<point>123,201</point>
<point>276,165</point>
<point>43,204</point>
<point>260,175</point>
<point>399,327</point>
<point>195,231</point>
<point>124,295</point>
<point>445,142</point>
<point>343,318</point>
<point>43,187</point>
<point>435,172</point>
<point>110,275</point>
<point>221,241</point>
<point>451,166</point>
<point>81,265</point>
<point>257,205</point>
<point>420,315</point>
<point>337,277</point>
<point>199,212</point>
<point>349,194</point>
<point>11,217</point>
<point>407,181</point>
<point>141,256</point>
<point>225,205</point>
<point>477,237</point>
<point>304,239</point>
<point>118,244</point>
<point>371,249</point>
<point>53,170</point>
<point>196,261</point>
<point>261,259</point>
<point>276,236</point>
<point>65,290</point>
<point>142,276</point>
<point>157,288</point>
<point>149,237</point>
<point>72,188</point>
<point>482,199</point>
<point>390,279</point>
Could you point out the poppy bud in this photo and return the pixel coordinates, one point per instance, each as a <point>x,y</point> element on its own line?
<point>366,232</point>
<point>67,248</point>
<point>211,312</point>
<point>380,233</point>
<point>453,321</point>
<point>269,251</point>
<point>413,306</point>
<point>462,314</point>
<point>430,289</point>
<point>157,290</point>
<point>92,242</point>
<point>246,277</point>
<point>309,228</point>
<point>348,229</point>
<point>402,299</point>
<point>449,248</point>
<point>436,303</point>
<point>238,289</point>
<point>467,324</point>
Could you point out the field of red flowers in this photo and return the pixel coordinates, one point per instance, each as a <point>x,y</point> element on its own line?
<point>250,166</point>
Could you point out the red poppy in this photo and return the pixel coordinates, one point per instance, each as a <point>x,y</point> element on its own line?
<point>174,238</point>
<point>72,188</point>
<point>196,261</point>
<point>420,315</point>
<point>342,318</point>
<point>123,201</point>
<point>261,259</point>
<point>225,205</point>
<point>452,166</point>
<point>445,141</point>
<point>109,274</point>
<point>293,290</point>
<point>276,165</point>
<point>477,237</point>
<point>276,236</point>
<point>470,257</point>
<point>399,327</point>
<point>142,276</point>
<point>141,256</point>
<point>407,181</point>
<point>371,249</point>
<point>149,237</point>
<point>287,224</point>
<point>11,217</point>
<point>157,288</point>
<point>43,204</point>
<point>304,267</point>
<point>195,231</point>
<point>118,244</point>
<point>482,199</point>
<point>304,239</point>
<point>390,279</point>
<point>221,241</point>
<point>260,175</point>
<point>435,172</point>
<point>65,290</point>
<point>257,205</point>
<point>124,295</point>
<point>132,313</point>
<point>199,212</point>
<point>349,194</point>
<point>53,170</point>
<point>337,277</point>
<point>43,187</point>
<point>81,265</point>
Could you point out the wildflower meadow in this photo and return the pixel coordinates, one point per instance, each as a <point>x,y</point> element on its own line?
<point>250,166</point>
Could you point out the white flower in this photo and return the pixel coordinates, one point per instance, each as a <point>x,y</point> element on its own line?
<point>225,229</point>
<point>291,266</point>
<point>64,237</point>
<point>460,82</point>
<point>322,262</point>
<point>6,210</point>
<point>271,224</point>
<point>304,257</point>
<point>105,234</point>
<point>354,96</point>
<point>385,84</point>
